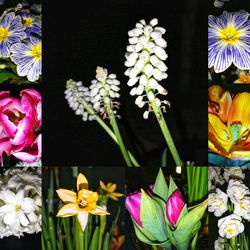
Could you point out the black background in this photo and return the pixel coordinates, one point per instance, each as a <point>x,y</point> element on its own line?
<point>80,35</point>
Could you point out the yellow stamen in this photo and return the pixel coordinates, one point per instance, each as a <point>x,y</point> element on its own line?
<point>27,22</point>
<point>230,35</point>
<point>36,52</point>
<point>18,207</point>
<point>4,33</point>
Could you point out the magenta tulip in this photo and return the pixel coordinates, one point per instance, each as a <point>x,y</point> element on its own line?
<point>133,203</point>
<point>174,207</point>
<point>20,125</point>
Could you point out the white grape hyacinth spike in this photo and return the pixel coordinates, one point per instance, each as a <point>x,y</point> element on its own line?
<point>102,92</point>
<point>145,58</point>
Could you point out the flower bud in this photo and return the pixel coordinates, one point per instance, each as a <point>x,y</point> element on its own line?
<point>133,203</point>
<point>174,207</point>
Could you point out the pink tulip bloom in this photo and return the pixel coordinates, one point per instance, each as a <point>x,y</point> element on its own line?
<point>174,207</point>
<point>20,125</point>
<point>133,203</point>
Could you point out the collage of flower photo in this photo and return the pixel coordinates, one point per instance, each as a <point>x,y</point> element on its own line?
<point>132,132</point>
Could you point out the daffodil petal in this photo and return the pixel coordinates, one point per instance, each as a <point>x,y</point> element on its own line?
<point>102,185</point>
<point>66,195</point>
<point>100,211</point>
<point>117,194</point>
<point>112,188</point>
<point>82,182</point>
<point>240,111</point>
<point>67,210</point>
<point>83,219</point>
<point>113,197</point>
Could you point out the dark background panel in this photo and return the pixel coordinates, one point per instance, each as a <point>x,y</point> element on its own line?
<point>85,34</point>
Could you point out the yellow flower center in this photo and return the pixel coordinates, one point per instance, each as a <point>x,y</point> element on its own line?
<point>18,207</point>
<point>27,22</point>
<point>4,33</point>
<point>230,35</point>
<point>36,52</point>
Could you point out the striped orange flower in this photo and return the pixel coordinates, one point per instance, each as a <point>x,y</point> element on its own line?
<point>229,123</point>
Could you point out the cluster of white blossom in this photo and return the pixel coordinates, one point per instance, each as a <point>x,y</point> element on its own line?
<point>20,202</point>
<point>219,3</point>
<point>98,98</point>
<point>144,59</point>
<point>236,201</point>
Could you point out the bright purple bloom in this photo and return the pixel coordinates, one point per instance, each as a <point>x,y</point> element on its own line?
<point>174,207</point>
<point>11,31</point>
<point>31,23</point>
<point>133,204</point>
<point>228,41</point>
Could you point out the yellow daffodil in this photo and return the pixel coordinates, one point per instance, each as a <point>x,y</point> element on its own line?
<point>81,203</point>
<point>110,190</point>
<point>244,78</point>
<point>229,128</point>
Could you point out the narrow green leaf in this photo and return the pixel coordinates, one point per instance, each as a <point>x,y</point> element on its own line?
<point>106,242</point>
<point>94,240</point>
<point>160,186</point>
<point>5,75</point>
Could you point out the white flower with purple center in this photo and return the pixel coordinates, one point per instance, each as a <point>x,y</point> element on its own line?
<point>11,31</point>
<point>27,55</point>
<point>229,41</point>
<point>31,23</point>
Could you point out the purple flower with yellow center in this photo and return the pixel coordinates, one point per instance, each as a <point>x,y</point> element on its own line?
<point>31,23</point>
<point>27,55</point>
<point>229,41</point>
<point>11,31</point>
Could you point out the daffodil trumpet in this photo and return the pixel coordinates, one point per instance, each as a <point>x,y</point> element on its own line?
<point>81,203</point>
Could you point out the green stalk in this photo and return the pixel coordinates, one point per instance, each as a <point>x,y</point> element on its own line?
<point>154,247</point>
<point>108,130</point>
<point>76,238</point>
<point>66,227</point>
<point>197,181</point>
<point>119,139</point>
<point>189,172</point>
<point>164,128</point>
<point>80,236</point>
<point>103,221</point>
<point>233,243</point>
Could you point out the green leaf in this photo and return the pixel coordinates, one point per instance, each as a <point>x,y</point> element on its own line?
<point>94,240</point>
<point>152,217</point>
<point>189,226</point>
<point>160,186</point>
<point>106,242</point>
<point>172,186</point>
<point>5,75</point>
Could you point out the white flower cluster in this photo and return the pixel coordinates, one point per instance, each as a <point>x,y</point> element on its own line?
<point>99,96</point>
<point>237,198</point>
<point>144,59</point>
<point>219,244</point>
<point>219,3</point>
<point>20,202</point>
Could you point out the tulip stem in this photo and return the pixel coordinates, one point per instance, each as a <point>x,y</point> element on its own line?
<point>164,127</point>
<point>108,130</point>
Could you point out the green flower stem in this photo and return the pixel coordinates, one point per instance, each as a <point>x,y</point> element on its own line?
<point>245,242</point>
<point>164,128</point>
<point>66,226</point>
<point>108,131</point>
<point>154,247</point>
<point>103,221</point>
<point>119,139</point>
<point>233,243</point>
<point>80,236</point>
